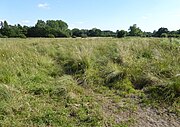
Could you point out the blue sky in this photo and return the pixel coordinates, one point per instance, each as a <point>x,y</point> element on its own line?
<point>149,15</point>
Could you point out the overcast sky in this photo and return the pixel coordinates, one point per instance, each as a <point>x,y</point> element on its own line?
<point>149,15</point>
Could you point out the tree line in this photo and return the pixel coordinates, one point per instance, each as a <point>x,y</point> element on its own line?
<point>59,28</point>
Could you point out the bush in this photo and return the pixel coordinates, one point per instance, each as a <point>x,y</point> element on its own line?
<point>22,36</point>
<point>164,35</point>
<point>2,36</point>
<point>73,36</point>
<point>84,36</point>
<point>121,34</point>
<point>51,36</point>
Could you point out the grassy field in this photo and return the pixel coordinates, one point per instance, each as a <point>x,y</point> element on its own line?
<point>91,82</point>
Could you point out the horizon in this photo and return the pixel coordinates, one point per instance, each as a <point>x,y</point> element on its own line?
<point>110,15</point>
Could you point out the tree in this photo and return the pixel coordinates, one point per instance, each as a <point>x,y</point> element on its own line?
<point>147,34</point>
<point>173,34</point>
<point>108,33</point>
<point>121,33</point>
<point>5,25</point>
<point>76,32</point>
<point>1,24</point>
<point>40,24</point>
<point>59,28</point>
<point>50,28</point>
<point>161,31</point>
<point>94,32</point>
<point>135,31</point>
<point>5,29</point>
<point>57,24</point>
<point>37,32</point>
<point>84,33</point>
<point>178,31</point>
<point>62,25</point>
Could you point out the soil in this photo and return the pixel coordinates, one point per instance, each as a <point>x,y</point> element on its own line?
<point>138,116</point>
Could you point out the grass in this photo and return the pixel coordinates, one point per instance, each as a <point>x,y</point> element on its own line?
<point>74,82</point>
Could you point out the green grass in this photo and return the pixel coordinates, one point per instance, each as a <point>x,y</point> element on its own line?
<point>71,82</point>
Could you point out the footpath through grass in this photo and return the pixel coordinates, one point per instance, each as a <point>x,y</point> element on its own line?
<point>86,82</point>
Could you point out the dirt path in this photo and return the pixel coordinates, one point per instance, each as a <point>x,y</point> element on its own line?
<point>150,117</point>
<point>130,111</point>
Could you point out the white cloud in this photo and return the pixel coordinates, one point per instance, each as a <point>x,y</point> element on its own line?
<point>43,5</point>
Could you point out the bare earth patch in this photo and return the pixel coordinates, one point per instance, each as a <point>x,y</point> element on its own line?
<point>150,117</point>
<point>128,112</point>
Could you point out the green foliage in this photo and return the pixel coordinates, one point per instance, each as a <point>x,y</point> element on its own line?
<point>59,28</point>
<point>164,35</point>
<point>76,32</point>
<point>84,35</point>
<point>12,31</point>
<point>22,36</point>
<point>40,24</point>
<point>121,34</point>
<point>135,31</point>
<point>161,31</point>
<point>51,36</point>
<point>94,32</point>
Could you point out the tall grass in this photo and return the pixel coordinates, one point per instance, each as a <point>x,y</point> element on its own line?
<point>55,82</point>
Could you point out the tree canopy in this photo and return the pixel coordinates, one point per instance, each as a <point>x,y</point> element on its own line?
<point>135,31</point>
<point>59,28</point>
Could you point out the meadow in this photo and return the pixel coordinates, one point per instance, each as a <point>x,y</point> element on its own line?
<point>89,82</point>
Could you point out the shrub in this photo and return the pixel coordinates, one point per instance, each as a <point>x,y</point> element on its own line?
<point>84,35</point>
<point>51,36</point>
<point>121,34</point>
<point>22,36</point>
<point>164,35</point>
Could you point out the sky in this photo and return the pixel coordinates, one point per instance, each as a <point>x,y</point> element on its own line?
<point>112,15</point>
